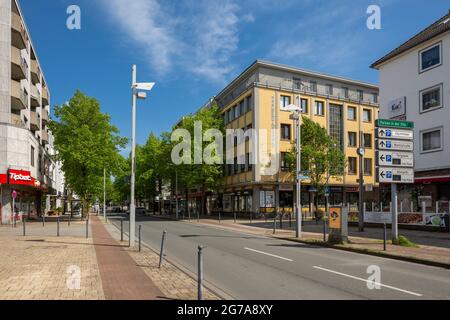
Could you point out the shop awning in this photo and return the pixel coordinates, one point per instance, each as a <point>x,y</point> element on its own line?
<point>432,179</point>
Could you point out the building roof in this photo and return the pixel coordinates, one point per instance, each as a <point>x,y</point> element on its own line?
<point>439,27</point>
<point>278,66</point>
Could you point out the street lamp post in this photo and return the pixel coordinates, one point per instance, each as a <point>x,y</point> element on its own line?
<point>295,110</point>
<point>140,95</point>
<point>176,194</point>
<point>104,193</point>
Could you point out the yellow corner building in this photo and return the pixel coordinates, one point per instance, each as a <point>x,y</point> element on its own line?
<point>347,108</point>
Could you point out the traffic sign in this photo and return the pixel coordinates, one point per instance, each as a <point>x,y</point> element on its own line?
<point>387,123</point>
<point>387,144</point>
<point>395,175</point>
<point>14,194</point>
<point>395,134</point>
<point>395,159</point>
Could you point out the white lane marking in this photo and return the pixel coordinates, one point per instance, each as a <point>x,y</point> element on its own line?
<point>365,280</point>
<point>269,254</point>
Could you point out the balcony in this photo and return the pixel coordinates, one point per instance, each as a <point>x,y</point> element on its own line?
<point>45,96</point>
<point>35,72</point>
<point>34,96</point>
<point>18,34</point>
<point>17,121</point>
<point>19,99</point>
<point>44,134</point>
<point>19,67</point>
<point>44,116</point>
<point>34,121</point>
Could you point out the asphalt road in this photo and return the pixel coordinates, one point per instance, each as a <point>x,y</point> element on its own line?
<point>253,267</point>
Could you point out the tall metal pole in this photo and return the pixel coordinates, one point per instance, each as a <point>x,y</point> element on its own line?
<point>298,209</point>
<point>361,185</point>
<point>133,162</point>
<point>176,194</point>
<point>394,211</point>
<point>104,193</point>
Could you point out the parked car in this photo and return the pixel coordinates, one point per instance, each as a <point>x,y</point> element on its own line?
<point>138,210</point>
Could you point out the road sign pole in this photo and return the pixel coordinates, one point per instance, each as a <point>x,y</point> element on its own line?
<point>394,211</point>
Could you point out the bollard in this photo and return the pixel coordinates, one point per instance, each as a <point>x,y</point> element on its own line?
<point>198,216</point>
<point>235,217</point>
<point>189,215</point>
<point>140,226</point>
<point>87,227</point>
<point>70,216</point>
<point>57,226</point>
<point>200,273</point>
<point>274,224</point>
<point>324,230</point>
<point>121,229</point>
<point>161,253</point>
<point>384,237</point>
<point>24,227</point>
<point>290,220</point>
<point>43,220</point>
<point>219,217</point>
<point>281,221</point>
<point>251,218</point>
<point>265,217</point>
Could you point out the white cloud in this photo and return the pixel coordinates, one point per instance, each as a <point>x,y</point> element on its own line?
<point>199,36</point>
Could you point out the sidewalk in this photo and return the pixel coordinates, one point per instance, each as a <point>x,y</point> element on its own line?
<point>43,266</point>
<point>425,254</point>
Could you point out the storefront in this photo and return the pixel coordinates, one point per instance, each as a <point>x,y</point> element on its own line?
<point>28,201</point>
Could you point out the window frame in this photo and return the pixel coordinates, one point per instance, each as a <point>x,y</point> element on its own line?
<point>370,113</point>
<point>313,86</point>
<point>307,105</point>
<point>282,99</point>
<point>356,113</point>
<point>348,139</point>
<point>282,125</point>
<point>441,148</point>
<point>329,89</point>
<point>345,92</point>
<point>364,141</point>
<point>371,167</point>
<point>323,108</point>
<point>424,91</point>
<point>356,167</point>
<point>438,44</point>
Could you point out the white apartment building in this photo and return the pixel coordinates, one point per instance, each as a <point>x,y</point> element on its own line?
<point>26,144</point>
<point>415,86</point>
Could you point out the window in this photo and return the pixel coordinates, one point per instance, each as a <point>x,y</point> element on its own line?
<point>375,97</point>
<point>284,162</point>
<point>297,83</point>
<point>32,156</point>
<point>313,86</point>
<point>367,140</point>
<point>432,140</point>
<point>242,107</point>
<point>351,113</point>
<point>285,132</point>
<point>304,105</point>
<point>285,101</point>
<point>345,92</point>
<point>367,167</point>
<point>430,57</point>
<point>360,95</point>
<point>320,110</point>
<point>236,166</point>
<point>249,103</point>
<point>367,115</point>
<point>352,139</point>
<point>329,89</point>
<point>431,98</point>
<point>249,162</point>
<point>236,111</point>
<point>352,165</point>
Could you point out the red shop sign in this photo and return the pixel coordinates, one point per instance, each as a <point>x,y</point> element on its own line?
<point>3,179</point>
<point>20,177</point>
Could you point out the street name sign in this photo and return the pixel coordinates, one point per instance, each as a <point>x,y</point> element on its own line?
<point>395,175</point>
<point>399,134</point>
<point>398,145</point>
<point>388,123</point>
<point>395,159</point>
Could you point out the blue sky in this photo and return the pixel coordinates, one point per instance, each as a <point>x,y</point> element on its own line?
<point>192,48</point>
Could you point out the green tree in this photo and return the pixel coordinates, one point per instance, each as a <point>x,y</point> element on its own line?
<point>86,143</point>
<point>321,156</point>
<point>204,176</point>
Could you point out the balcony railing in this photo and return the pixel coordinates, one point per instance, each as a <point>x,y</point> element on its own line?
<point>19,68</point>
<point>44,135</point>
<point>34,96</point>
<point>44,116</point>
<point>35,72</point>
<point>19,99</point>
<point>17,121</point>
<point>19,34</point>
<point>34,121</point>
<point>44,96</point>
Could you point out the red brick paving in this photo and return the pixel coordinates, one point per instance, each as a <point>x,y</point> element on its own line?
<point>121,278</point>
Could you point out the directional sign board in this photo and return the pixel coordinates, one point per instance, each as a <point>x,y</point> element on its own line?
<point>399,145</point>
<point>395,175</point>
<point>395,159</point>
<point>395,146</point>
<point>399,134</point>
